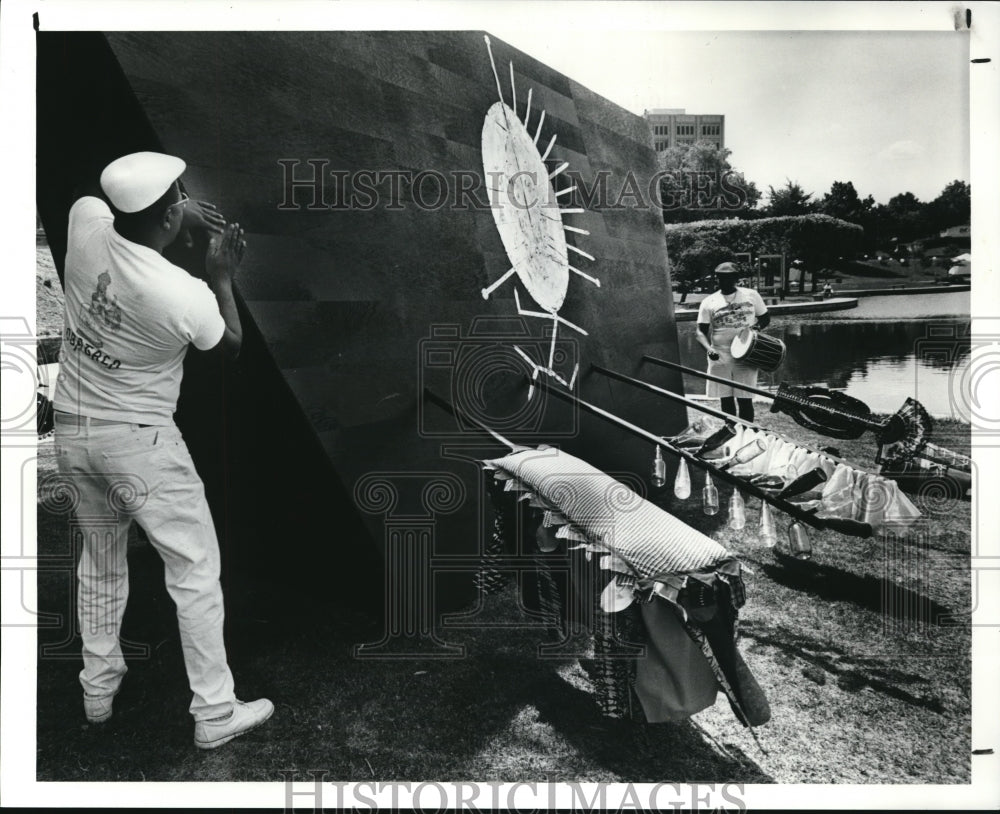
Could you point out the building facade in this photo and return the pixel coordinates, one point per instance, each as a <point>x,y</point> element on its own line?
<point>671,127</point>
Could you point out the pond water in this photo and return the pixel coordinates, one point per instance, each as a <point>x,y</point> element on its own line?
<point>885,350</point>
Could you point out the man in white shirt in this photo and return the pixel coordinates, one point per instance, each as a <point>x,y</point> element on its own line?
<point>721,316</point>
<point>129,318</point>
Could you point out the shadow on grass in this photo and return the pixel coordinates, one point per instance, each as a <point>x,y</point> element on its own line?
<point>852,673</point>
<point>499,713</point>
<point>829,583</point>
<point>643,753</point>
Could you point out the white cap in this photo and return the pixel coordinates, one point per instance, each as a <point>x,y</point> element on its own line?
<point>136,181</point>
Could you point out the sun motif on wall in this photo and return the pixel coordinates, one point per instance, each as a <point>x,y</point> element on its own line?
<point>529,218</point>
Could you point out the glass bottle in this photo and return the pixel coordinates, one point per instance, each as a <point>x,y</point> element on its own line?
<point>737,511</point>
<point>659,476</point>
<point>767,533</point>
<point>717,439</point>
<point>798,541</point>
<point>709,496</point>
<point>682,483</point>
<point>686,436</point>
<point>746,453</point>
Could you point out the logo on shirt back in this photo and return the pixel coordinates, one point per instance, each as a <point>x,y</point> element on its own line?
<point>101,314</point>
<point>103,311</point>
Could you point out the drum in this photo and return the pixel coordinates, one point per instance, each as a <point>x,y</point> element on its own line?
<point>758,350</point>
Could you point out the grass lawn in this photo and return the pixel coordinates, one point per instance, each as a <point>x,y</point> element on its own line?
<point>864,653</point>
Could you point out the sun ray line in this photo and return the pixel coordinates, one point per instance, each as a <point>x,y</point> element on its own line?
<point>549,148</point>
<point>487,291</point>
<point>513,90</point>
<point>573,248</point>
<point>546,315</point>
<point>586,276</point>
<point>558,170</point>
<point>576,210</point>
<point>538,132</point>
<point>493,65</point>
<point>535,369</point>
<point>527,110</point>
<point>569,228</point>
<point>566,191</point>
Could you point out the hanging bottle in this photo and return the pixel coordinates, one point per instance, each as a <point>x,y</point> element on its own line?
<point>716,439</point>
<point>737,511</point>
<point>709,496</point>
<point>682,483</point>
<point>746,453</point>
<point>690,435</point>
<point>798,541</point>
<point>803,483</point>
<point>659,476</point>
<point>767,533</point>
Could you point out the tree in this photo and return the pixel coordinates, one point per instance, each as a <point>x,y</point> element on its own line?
<point>952,207</point>
<point>906,216</point>
<point>696,248</point>
<point>699,183</point>
<point>843,201</point>
<point>698,259</point>
<point>791,199</point>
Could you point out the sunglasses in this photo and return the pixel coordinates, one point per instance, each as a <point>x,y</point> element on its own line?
<point>182,202</point>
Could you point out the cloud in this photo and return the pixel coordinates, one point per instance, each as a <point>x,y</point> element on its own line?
<point>901,151</point>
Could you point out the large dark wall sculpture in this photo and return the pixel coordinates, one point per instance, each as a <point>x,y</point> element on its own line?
<point>352,311</point>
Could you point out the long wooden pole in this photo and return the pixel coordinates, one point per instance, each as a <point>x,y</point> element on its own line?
<point>852,527</point>
<point>703,375</point>
<point>800,401</point>
<point>652,388</point>
<point>661,391</point>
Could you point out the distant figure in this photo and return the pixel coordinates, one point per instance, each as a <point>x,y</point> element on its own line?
<point>827,291</point>
<point>800,267</point>
<point>721,316</point>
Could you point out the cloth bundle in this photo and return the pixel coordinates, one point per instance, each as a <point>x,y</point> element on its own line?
<point>848,492</point>
<point>687,585</point>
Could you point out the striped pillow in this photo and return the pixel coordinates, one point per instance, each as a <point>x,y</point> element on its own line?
<point>608,512</point>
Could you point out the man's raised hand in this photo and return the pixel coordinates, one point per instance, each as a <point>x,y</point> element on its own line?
<point>225,252</point>
<point>203,215</point>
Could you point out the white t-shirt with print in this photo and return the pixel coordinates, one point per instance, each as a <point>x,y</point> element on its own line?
<point>729,316</point>
<point>130,315</point>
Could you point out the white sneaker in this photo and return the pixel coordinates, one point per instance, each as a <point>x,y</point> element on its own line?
<point>98,708</point>
<point>244,717</point>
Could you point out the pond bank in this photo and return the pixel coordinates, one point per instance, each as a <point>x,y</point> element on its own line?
<point>803,307</point>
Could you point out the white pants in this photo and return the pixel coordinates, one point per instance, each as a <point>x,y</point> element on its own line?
<point>121,472</point>
<point>729,368</point>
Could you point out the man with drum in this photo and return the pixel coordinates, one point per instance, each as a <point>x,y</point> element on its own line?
<point>721,316</point>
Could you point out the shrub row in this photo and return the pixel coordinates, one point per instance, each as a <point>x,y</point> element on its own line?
<point>817,240</point>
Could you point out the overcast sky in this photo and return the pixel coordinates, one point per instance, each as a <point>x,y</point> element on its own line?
<point>885,110</point>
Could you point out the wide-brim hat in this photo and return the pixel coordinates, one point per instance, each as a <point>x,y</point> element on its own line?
<point>138,180</point>
<point>726,268</point>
